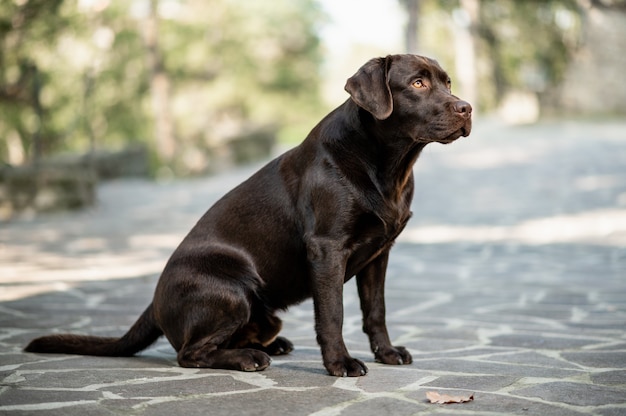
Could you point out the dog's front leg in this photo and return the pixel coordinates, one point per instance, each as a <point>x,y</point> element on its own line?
<point>371,286</point>
<point>327,278</point>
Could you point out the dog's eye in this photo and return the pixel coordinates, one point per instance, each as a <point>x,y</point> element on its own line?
<point>449,83</point>
<point>418,84</point>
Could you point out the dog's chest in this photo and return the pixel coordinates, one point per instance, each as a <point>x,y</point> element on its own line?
<point>373,234</point>
<point>390,216</point>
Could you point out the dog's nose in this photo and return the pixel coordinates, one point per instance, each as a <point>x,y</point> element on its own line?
<point>462,107</point>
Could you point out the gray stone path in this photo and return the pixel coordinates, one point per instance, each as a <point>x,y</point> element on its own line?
<point>510,283</point>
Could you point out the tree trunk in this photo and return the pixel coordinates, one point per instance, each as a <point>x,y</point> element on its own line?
<point>159,89</point>
<point>411,31</point>
<point>465,50</point>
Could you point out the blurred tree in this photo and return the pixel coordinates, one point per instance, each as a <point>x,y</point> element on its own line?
<point>22,123</point>
<point>467,20</point>
<point>599,56</point>
<point>237,68</point>
<point>517,45</point>
<point>411,31</point>
<point>528,45</point>
<point>59,81</point>
<point>165,144</point>
<point>211,69</point>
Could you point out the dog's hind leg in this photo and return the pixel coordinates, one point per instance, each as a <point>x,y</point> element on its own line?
<point>208,333</point>
<point>202,300</point>
<point>209,355</point>
<point>280,346</point>
<point>261,333</point>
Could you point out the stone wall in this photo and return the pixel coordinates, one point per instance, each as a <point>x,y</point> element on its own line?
<point>65,182</point>
<point>30,189</point>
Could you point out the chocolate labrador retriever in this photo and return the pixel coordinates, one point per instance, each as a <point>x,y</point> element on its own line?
<point>303,225</point>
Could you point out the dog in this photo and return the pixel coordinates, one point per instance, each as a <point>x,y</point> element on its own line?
<point>304,224</point>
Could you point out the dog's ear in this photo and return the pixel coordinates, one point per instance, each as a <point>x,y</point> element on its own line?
<point>369,88</point>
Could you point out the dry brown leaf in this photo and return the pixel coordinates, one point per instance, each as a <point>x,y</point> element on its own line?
<point>435,397</point>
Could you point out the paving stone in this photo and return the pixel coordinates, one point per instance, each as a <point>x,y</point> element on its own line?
<point>389,378</point>
<point>612,347</point>
<point>578,394</point>
<point>531,358</point>
<point>498,404</point>
<point>79,363</point>
<point>464,353</point>
<point>461,366</point>
<point>566,298</point>
<point>163,386</point>
<point>598,359</point>
<point>610,378</point>
<point>261,402</point>
<point>65,409</point>
<point>14,398</point>
<point>473,383</point>
<point>437,344</point>
<point>383,406</point>
<point>612,411</point>
<point>541,342</point>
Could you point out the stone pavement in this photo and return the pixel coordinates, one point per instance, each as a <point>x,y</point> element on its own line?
<point>510,283</point>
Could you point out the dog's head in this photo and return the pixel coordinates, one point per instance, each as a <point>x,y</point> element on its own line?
<point>414,93</point>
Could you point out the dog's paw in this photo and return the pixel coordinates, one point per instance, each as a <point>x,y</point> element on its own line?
<point>244,359</point>
<point>394,356</point>
<point>348,367</point>
<point>280,346</point>
<point>253,360</point>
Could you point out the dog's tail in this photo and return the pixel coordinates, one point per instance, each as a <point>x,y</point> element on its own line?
<point>140,336</point>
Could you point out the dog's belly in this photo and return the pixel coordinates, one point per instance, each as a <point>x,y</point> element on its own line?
<point>289,282</point>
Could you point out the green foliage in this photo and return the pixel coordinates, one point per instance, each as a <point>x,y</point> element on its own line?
<point>75,73</point>
<point>84,90</point>
<point>256,64</point>
<point>26,27</point>
<point>529,41</point>
<point>521,45</point>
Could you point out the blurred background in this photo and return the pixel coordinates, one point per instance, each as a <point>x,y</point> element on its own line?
<point>99,89</point>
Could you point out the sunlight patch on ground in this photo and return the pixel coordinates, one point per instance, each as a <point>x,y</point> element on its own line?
<point>603,227</point>
<point>27,270</point>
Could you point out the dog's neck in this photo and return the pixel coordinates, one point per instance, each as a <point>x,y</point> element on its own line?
<point>398,168</point>
<point>388,161</point>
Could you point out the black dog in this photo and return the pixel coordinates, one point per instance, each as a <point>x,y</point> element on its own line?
<point>303,225</point>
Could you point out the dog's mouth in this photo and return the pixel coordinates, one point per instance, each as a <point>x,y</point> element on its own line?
<point>446,132</point>
<point>463,131</point>
<point>466,128</point>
